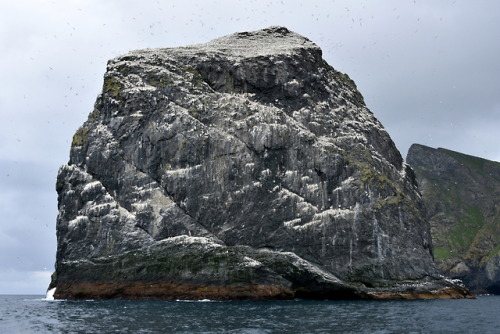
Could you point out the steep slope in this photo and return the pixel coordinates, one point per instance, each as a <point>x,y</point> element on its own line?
<point>462,194</point>
<point>246,167</point>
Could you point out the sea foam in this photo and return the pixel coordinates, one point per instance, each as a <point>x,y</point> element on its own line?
<point>50,294</point>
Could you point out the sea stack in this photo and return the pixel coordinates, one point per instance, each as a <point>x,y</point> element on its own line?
<point>243,168</point>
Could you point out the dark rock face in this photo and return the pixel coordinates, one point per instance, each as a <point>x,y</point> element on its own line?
<point>246,167</point>
<point>462,194</point>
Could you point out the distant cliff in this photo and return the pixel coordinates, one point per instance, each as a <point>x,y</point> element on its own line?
<point>243,168</point>
<point>462,194</point>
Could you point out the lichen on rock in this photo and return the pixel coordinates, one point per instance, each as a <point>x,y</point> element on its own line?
<point>246,167</point>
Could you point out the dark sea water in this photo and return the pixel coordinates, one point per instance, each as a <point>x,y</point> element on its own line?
<point>33,314</point>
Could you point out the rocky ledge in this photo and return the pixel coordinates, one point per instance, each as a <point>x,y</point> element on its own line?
<point>243,168</point>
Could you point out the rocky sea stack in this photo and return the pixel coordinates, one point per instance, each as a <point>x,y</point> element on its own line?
<point>243,168</point>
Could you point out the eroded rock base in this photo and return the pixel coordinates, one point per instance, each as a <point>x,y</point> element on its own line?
<point>177,291</point>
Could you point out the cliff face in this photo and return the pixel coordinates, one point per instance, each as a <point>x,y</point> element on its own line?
<point>462,194</point>
<point>246,167</point>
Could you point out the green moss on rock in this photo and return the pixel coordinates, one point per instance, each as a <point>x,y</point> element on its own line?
<point>195,76</point>
<point>113,86</point>
<point>80,137</point>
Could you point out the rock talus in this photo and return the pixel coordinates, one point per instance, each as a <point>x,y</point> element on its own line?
<point>243,168</point>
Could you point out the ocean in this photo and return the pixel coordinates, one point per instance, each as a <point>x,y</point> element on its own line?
<point>34,314</point>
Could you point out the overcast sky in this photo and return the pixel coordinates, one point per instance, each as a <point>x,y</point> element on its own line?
<point>429,71</point>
